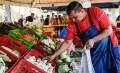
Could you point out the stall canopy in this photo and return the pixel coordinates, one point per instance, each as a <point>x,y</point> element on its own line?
<point>48,3</point>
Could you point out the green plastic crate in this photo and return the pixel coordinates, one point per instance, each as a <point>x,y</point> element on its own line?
<point>21,31</point>
<point>28,43</point>
<point>75,54</point>
<point>13,35</point>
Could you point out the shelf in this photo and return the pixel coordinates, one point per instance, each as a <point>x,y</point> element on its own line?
<point>49,26</point>
<point>117,21</point>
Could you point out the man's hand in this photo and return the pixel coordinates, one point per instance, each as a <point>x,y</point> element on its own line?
<point>64,46</point>
<point>49,58</point>
<point>90,44</point>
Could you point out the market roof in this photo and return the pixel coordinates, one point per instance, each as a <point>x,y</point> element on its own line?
<point>47,3</point>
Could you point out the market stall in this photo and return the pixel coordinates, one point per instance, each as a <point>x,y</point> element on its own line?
<point>26,46</point>
<point>23,47</point>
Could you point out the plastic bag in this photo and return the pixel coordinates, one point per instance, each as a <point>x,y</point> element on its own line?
<point>85,66</point>
<point>63,33</point>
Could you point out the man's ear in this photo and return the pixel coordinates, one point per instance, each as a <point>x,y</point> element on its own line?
<point>82,11</point>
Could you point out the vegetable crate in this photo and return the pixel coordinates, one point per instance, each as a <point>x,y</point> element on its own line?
<point>16,63</point>
<point>38,54</point>
<point>46,51</point>
<point>23,37</point>
<point>32,33</point>
<point>12,48</point>
<point>26,67</point>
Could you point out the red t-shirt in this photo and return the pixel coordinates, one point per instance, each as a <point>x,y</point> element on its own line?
<point>100,20</point>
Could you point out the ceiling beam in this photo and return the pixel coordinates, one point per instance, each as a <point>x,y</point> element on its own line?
<point>35,4</point>
<point>104,1</point>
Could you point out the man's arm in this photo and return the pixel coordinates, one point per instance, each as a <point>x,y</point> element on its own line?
<point>103,34</point>
<point>65,45</point>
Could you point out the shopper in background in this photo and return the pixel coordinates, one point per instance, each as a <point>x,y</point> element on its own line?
<point>52,19</point>
<point>93,27</point>
<point>42,19</point>
<point>118,19</point>
<point>65,19</point>
<point>60,21</point>
<point>20,21</point>
<point>56,20</point>
<point>47,20</point>
<point>30,18</point>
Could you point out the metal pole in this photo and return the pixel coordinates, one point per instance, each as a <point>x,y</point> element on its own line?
<point>7,13</point>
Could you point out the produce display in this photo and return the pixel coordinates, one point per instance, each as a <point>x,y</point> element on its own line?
<point>45,49</point>
<point>37,30</point>
<point>22,36</point>
<point>42,64</point>
<point>49,42</point>
<point>64,68</point>
<point>23,48</point>
<point>64,57</point>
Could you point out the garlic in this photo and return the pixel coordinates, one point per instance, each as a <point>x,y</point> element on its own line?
<point>38,60</point>
<point>41,64</point>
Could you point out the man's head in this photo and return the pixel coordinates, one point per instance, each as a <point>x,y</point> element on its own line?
<point>32,14</point>
<point>76,11</point>
<point>48,16</point>
<point>41,16</point>
<point>21,16</point>
<point>55,16</point>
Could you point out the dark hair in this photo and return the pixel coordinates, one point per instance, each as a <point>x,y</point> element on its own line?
<point>73,6</point>
<point>48,15</point>
<point>32,14</point>
<point>56,16</point>
<point>60,18</point>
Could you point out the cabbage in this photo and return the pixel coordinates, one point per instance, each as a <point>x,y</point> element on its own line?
<point>59,61</point>
<point>67,59</point>
<point>63,68</point>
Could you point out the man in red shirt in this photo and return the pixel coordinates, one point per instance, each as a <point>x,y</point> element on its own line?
<point>93,27</point>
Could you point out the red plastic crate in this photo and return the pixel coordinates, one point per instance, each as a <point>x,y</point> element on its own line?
<point>26,67</point>
<point>13,44</point>
<point>31,32</point>
<point>11,68</point>
<point>10,43</point>
<point>34,52</point>
<point>10,55</point>
<point>47,52</point>
<point>38,54</point>
<point>16,62</point>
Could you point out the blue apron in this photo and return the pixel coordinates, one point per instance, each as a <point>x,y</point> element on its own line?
<point>105,57</point>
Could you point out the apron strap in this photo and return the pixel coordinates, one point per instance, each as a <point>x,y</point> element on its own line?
<point>77,27</point>
<point>89,15</point>
<point>78,30</point>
